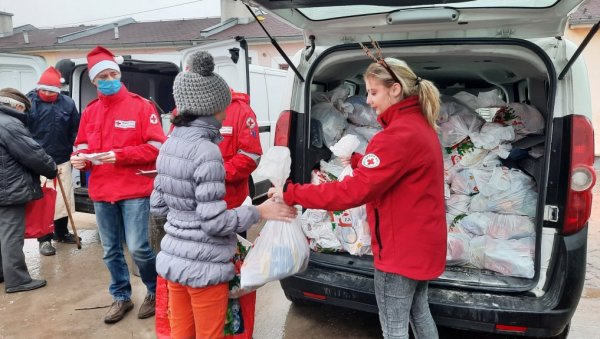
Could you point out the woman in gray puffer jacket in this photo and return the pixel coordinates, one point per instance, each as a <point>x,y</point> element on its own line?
<point>22,161</point>
<point>200,239</point>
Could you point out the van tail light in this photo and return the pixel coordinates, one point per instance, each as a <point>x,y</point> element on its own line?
<point>510,328</point>
<point>582,176</point>
<point>314,296</point>
<point>282,129</point>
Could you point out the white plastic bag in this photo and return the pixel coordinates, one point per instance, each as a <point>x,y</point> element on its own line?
<point>351,227</point>
<point>458,204</point>
<point>457,252</point>
<point>508,257</point>
<point>333,169</point>
<point>468,99</point>
<point>461,123</point>
<point>525,119</point>
<point>336,96</point>
<point>359,112</point>
<point>345,146</point>
<point>463,182</point>
<point>281,249</point>
<point>490,99</point>
<point>318,229</point>
<point>491,135</point>
<point>332,120</point>
<point>498,226</point>
<point>363,142</point>
<point>465,154</point>
<point>501,180</point>
<point>275,165</point>
<point>511,226</point>
<point>510,202</point>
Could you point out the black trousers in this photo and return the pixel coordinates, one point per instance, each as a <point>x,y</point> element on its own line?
<point>60,229</point>
<point>12,236</point>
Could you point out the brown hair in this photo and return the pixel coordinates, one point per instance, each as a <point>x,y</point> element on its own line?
<point>15,94</point>
<point>429,96</point>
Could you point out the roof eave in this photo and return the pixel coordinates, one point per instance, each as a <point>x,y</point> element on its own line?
<point>583,23</point>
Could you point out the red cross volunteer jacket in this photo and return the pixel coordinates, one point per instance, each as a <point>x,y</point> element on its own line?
<point>401,180</point>
<point>240,148</point>
<point>128,125</point>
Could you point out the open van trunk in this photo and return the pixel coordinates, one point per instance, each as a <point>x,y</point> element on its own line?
<point>512,47</point>
<point>517,69</point>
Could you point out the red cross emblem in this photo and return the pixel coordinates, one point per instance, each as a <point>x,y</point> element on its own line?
<point>370,161</point>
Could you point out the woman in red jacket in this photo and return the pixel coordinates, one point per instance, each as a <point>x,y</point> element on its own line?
<point>400,178</point>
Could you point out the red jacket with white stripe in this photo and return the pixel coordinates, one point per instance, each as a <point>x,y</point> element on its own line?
<point>240,148</point>
<point>401,180</point>
<point>130,126</point>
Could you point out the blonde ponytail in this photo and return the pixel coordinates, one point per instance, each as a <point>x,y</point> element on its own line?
<point>429,96</point>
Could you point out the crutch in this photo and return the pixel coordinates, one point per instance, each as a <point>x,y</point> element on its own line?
<point>62,190</point>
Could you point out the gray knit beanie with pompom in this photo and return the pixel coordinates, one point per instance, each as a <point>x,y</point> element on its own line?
<point>199,91</point>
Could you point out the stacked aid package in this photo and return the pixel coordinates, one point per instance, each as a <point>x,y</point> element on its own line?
<point>489,169</point>
<point>337,231</point>
<point>344,124</point>
<point>490,202</point>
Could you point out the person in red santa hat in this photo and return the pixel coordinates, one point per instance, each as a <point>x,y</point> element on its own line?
<point>119,135</point>
<point>53,122</point>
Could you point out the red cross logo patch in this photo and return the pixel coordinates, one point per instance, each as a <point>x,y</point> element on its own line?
<point>370,161</point>
<point>250,123</point>
<point>153,119</point>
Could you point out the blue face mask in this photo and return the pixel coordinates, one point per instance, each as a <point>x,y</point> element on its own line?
<point>109,87</point>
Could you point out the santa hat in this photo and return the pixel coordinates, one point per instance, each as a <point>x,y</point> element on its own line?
<point>100,59</point>
<point>50,80</point>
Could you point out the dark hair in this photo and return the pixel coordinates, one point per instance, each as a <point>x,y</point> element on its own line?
<point>183,119</point>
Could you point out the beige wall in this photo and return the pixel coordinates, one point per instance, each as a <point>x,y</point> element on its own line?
<point>591,54</point>
<point>266,55</point>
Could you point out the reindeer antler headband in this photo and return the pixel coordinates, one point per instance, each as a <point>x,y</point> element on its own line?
<point>378,58</point>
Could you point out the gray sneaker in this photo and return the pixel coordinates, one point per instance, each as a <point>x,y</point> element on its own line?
<point>47,249</point>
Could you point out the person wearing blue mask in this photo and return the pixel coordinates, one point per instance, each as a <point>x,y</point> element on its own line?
<point>121,131</point>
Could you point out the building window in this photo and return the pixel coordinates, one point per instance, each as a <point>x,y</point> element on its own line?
<point>284,66</point>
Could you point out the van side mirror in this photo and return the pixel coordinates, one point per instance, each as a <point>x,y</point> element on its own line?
<point>65,67</point>
<point>235,54</point>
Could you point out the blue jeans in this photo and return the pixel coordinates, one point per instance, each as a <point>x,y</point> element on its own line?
<point>402,300</point>
<point>128,218</point>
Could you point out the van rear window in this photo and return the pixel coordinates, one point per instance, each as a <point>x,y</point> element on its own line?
<point>335,12</point>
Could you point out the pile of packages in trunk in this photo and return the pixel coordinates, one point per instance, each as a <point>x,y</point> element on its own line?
<point>490,203</point>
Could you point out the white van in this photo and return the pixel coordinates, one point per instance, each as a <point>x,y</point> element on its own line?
<point>513,47</point>
<point>20,71</point>
<point>152,76</point>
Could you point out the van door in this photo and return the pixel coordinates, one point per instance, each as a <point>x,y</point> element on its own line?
<point>20,71</point>
<point>230,62</point>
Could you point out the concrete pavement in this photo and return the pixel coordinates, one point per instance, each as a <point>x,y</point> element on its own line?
<point>76,299</point>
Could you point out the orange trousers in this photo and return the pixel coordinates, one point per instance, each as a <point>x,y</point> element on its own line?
<point>197,312</point>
